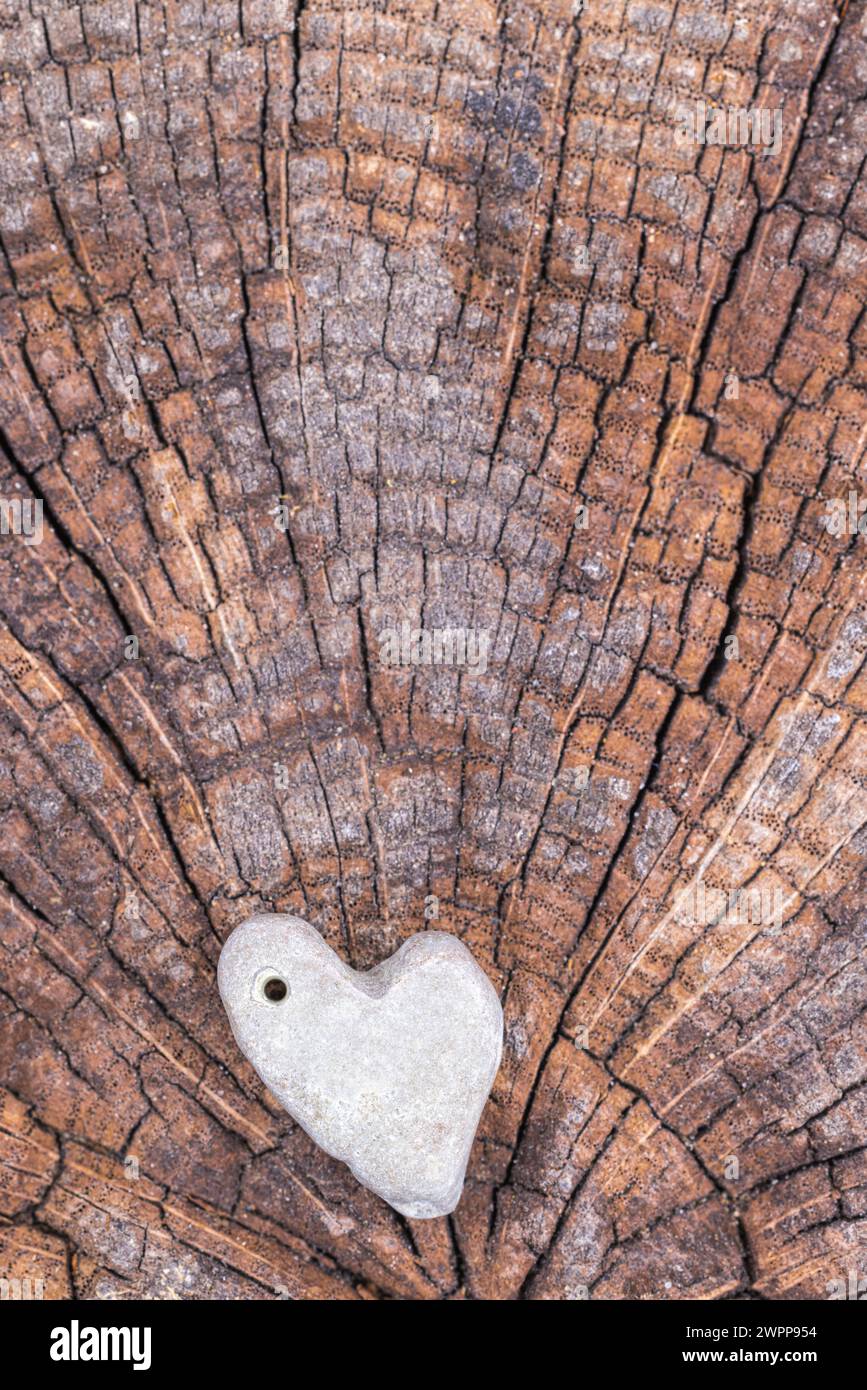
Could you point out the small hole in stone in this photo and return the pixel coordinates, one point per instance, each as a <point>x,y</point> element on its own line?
<point>274,990</point>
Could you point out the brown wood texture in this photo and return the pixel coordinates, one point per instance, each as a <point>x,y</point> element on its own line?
<point>328,258</point>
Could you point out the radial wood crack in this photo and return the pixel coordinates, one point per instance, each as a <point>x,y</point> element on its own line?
<point>320,320</point>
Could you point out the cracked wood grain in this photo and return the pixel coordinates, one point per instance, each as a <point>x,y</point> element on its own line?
<point>319,318</point>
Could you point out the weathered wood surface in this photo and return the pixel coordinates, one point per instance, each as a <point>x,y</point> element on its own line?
<point>326,259</point>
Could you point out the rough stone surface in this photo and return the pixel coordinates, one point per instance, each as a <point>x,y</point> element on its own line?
<point>387,1069</point>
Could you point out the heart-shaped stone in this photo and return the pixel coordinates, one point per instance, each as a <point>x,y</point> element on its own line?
<point>387,1069</point>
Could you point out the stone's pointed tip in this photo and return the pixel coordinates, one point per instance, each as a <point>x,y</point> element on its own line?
<point>389,1069</point>
<point>426,1211</point>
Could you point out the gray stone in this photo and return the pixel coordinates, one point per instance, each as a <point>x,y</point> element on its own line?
<point>387,1069</point>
